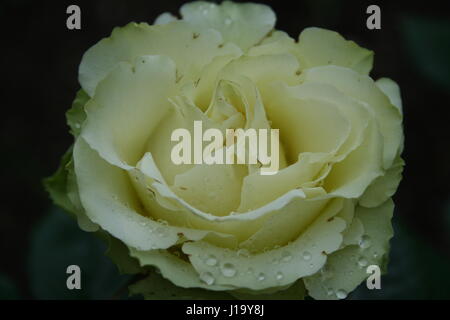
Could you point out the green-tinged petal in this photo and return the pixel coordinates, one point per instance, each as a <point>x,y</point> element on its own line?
<point>190,47</point>
<point>364,89</point>
<point>155,287</point>
<point>165,18</point>
<point>320,47</point>
<point>353,233</point>
<point>73,194</point>
<point>346,268</point>
<point>75,116</point>
<point>174,268</point>
<point>63,190</point>
<point>244,24</point>
<point>128,106</point>
<point>384,186</point>
<point>278,267</point>
<point>294,292</point>
<point>391,89</point>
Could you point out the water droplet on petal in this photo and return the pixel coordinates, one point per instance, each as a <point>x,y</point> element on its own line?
<point>341,294</point>
<point>211,261</point>
<point>362,262</point>
<point>207,278</point>
<point>261,277</point>
<point>365,242</point>
<point>306,255</point>
<point>228,270</point>
<point>279,276</point>
<point>330,291</point>
<point>286,256</point>
<point>326,272</point>
<point>161,232</point>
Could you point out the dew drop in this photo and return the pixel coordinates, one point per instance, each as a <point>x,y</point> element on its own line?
<point>286,256</point>
<point>306,255</point>
<point>160,232</point>
<point>330,291</point>
<point>211,261</point>
<point>261,277</point>
<point>77,125</point>
<point>326,272</point>
<point>365,242</point>
<point>362,262</point>
<point>341,294</point>
<point>375,255</point>
<point>227,21</point>
<point>207,278</point>
<point>279,276</point>
<point>228,270</point>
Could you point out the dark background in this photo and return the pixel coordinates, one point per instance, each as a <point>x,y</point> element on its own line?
<point>40,58</point>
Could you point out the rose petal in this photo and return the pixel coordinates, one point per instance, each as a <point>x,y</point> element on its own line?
<point>304,256</point>
<point>244,24</point>
<point>346,268</point>
<point>319,47</point>
<point>190,47</point>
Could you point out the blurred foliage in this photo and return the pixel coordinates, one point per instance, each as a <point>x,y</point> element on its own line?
<point>428,42</point>
<point>8,289</point>
<point>58,242</point>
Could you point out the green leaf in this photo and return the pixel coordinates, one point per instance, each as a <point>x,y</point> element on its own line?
<point>428,43</point>
<point>56,185</point>
<point>8,290</point>
<point>57,243</point>
<point>415,270</point>
<point>76,115</point>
